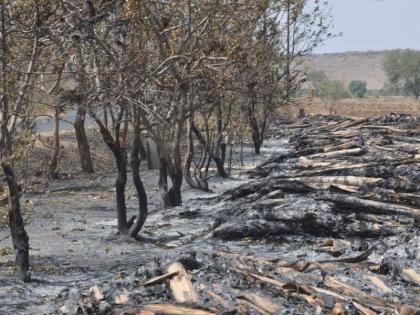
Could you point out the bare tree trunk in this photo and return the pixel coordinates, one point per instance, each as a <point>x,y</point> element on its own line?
<point>141,192</point>
<point>82,141</point>
<point>121,180</point>
<point>120,184</point>
<point>219,153</point>
<point>19,236</point>
<point>56,147</point>
<point>250,111</point>
<point>198,182</point>
<point>171,197</point>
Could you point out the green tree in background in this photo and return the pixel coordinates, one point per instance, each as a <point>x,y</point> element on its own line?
<point>358,88</point>
<point>402,68</point>
<point>329,91</point>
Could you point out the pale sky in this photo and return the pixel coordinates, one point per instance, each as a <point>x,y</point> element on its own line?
<point>374,25</point>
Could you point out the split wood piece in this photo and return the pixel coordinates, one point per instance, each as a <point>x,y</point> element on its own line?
<point>378,283</point>
<point>407,310</point>
<point>345,188</point>
<point>307,292</point>
<point>215,296</point>
<point>249,305</point>
<point>297,126</point>
<point>387,128</point>
<point>342,146</point>
<point>412,274</point>
<point>334,154</point>
<point>307,163</point>
<point>293,154</point>
<point>346,133</point>
<point>351,123</point>
<point>386,195</point>
<point>160,279</point>
<point>257,301</point>
<point>181,286</point>
<point>95,294</point>
<point>338,180</point>
<point>405,139</point>
<point>338,309</point>
<point>122,298</point>
<point>356,294</point>
<point>357,204</point>
<point>169,309</point>
<point>363,310</point>
<point>341,291</point>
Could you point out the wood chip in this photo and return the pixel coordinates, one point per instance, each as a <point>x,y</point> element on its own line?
<point>363,310</point>
<point>412,274</point>
<point>378,283</point>
<point>338,309</point>
<point>160,279</point>
<point>181,286</point>
<point>121,299</point>
<point>261,302</point>
<point>95,294</point>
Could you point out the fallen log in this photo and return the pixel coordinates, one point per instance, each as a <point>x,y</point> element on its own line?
<point>387,128</point>
<point>168,309</point>
<point>334,154</point>
<point>349,124</point>
<point>389,196</point>
<point>357,204</point>
<point>357,294</point>
<point>357,181</point>
<point>342,146</point>
<point>350,169</point>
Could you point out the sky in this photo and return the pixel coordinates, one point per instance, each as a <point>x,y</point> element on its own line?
<point>374,25</point>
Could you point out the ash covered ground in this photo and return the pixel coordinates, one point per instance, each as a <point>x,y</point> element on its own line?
<point>326,221</point>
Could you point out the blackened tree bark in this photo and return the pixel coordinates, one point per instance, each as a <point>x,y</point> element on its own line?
<point>82,141</point>
<point>220,149</point>
<point>135,169</point>
<point>19,236</point>
<point>9,114</point>
<point>135,224</point>
<point>216,154</point>
<point>197,182</point>
<point>171,196</point>
<point>79,123</point>
<point>56,146</point>
<point>257,137</point>
<point>121,180</point>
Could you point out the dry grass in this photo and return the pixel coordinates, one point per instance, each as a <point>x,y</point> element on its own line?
<point>367,107</point>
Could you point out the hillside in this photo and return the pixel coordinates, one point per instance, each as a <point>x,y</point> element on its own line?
<point>349,66</point>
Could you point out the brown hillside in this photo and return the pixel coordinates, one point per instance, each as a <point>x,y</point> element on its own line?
<point>345,67</point>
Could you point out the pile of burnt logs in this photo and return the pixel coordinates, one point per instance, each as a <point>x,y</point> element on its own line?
<point>341,177</point>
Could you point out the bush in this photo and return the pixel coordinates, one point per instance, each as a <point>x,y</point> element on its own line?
<point>358,88</point>
<point>402,68</point>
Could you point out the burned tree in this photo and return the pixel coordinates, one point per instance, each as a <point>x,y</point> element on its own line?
<point>27,19</point>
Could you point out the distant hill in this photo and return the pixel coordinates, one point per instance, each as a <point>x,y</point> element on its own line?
<point>348,66</point>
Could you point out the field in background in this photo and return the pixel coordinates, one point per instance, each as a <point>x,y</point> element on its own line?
<point>367,107</point>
